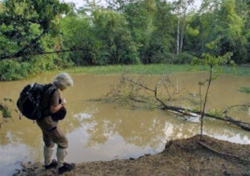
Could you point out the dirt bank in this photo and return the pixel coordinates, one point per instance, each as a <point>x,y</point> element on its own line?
<point>180,158</point>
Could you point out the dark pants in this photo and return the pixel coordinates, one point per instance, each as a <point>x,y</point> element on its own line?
<point>52,134</point>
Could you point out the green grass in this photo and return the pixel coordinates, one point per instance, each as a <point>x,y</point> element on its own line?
<point>136,69</point>
<point>245,90</point>
<point>153,69</point>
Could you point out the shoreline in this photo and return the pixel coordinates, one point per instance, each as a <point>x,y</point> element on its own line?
<point>181,157</point>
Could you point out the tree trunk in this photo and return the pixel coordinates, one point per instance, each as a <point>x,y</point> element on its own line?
<point>178,38</point>
<point>205,100</point>
<point>182,32</point>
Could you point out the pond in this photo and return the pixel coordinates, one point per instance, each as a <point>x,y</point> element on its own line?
<point>99,131</point>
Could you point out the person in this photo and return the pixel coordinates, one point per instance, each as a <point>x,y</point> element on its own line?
<point>51,132</point>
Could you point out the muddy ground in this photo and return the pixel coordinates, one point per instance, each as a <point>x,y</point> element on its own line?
<point>186,157</point>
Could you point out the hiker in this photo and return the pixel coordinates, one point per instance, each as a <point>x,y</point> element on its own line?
<point>49,125</point>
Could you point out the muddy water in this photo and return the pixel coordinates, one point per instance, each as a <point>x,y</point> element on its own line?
<point>107,131</point>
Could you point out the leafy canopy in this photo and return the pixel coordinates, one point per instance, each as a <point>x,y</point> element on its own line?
<point>23,23</point>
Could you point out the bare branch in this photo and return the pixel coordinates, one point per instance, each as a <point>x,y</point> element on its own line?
<point>236,106</point>
<point>139,84</point>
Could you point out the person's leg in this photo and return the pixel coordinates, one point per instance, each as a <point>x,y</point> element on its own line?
<point>48,151</point>
<point>54,134</point>
<point>61,154</point>
<point>59,138</point>
<point>63,166</point>
<point>46,124</point>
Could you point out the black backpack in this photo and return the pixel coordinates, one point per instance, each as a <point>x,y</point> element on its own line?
<point>30,101</point>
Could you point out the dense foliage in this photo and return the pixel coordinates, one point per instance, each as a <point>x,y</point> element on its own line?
<point>26,28</point>
<point>123,32</point>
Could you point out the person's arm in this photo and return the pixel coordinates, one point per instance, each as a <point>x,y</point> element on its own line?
<point>55,108</point>
<point>54,104</point>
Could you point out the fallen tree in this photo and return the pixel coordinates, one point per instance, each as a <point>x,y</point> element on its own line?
<point>136,85</point>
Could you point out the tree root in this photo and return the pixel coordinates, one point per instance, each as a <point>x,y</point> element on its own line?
<point>223,154</point>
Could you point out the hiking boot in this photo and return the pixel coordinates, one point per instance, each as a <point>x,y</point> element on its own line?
<point>66,168</point>
<point>53,164</point>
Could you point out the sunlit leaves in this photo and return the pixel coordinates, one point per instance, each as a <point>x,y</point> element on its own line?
<point>192,32</point>
<point>34,29</point>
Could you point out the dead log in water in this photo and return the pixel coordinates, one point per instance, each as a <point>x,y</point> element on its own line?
<point>188,112</point>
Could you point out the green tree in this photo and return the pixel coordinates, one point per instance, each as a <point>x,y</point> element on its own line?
<point>28,28</point>
<point>181,9</point>
<point>77,34</point>
<point>102,36</point>
<point>242,9</point>
<point>162,41</point>
<point>115,41</point>
<point>218,21</point>
<point>24,23</point>
<point>211,61</point>
<point>140,17</point>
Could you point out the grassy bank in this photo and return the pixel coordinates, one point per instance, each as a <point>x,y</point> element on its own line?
<point>153,69</point>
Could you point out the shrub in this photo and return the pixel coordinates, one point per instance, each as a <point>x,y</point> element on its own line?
<point>183,58</point>
<point>13,70</point>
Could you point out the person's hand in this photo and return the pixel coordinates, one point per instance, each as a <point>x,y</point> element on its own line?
<point>63,101</point>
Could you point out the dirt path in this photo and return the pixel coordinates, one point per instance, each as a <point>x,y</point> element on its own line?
<point>179,158</point>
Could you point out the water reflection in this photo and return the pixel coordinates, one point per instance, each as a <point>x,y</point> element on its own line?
<point>114,147</point>
<point>101,131</point>
<point>137,127</point>
<point>11,156</point>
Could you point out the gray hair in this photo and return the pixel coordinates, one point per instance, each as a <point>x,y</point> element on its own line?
<point>63,80</point>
